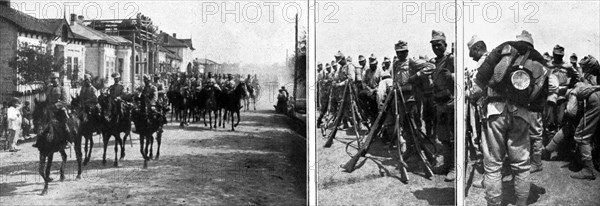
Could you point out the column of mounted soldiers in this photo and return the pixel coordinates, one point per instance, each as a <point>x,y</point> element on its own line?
<point>528,106</point>
<point>422,90</point>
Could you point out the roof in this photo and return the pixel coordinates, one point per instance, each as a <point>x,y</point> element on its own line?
<point>95,35</point>
<point>206,61</point>
<point>169,53</point>
<point>188,42</point>
<point>24,21</point>
<point>167,40</point>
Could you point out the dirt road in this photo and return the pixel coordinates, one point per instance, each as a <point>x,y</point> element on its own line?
<point>262,163</point>
<point>376,181</point>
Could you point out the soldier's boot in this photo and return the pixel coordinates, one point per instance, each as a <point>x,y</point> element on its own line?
<point>451,176</point>
<point>536,163</point>
<point>587,173</point>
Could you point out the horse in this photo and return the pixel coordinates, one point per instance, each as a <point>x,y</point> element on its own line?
<point>91,122</point>
<point>118,121</point>
<point>146,125</point>
<point>251,97</point>
<point>232,103</point>
<point>55,135</point>
<point>209,101</point>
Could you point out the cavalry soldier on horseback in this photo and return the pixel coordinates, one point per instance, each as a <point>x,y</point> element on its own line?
<point>56,98</point>
<point>149,94</point>
<point>160,88</point>
<point>115,92</point>
<point>88,96</point>
<point>230,83</point>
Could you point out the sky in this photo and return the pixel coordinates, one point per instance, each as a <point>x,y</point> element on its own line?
<point>571,24</point>
<point>261,34</point>
<point>366,27</point>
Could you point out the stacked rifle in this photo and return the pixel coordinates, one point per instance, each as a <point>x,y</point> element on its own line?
<point>394,96</point>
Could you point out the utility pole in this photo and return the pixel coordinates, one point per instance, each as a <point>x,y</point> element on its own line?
<point>295,59</point>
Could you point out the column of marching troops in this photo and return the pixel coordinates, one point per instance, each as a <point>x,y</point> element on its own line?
<point>528,105</point>
<point>426,85</point>
<point>151,92</point>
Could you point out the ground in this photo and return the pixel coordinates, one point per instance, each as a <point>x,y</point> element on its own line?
<point>262,163</point>
<point>376,181</point>
<point>551,186</point>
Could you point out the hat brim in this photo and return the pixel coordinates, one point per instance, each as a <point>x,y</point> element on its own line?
<point>402,49</point>
<point>437,39</point>
<point>558,53</point>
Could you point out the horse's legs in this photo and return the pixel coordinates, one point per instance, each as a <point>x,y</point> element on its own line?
<point>85,148</point>
<point>63,155</point>
<point>232,124</point>
<point>158,141</point>
<point>210,119</point>
<point>123,143</point>
<point>78,155</point>
<point>118,143</point>
<point>151,141</point>
<point>204,117</point>
<point>142,137</point>
<point>238,116</point>
<point>254,102</point>
<point>105,138</point>
<point>41,171</point>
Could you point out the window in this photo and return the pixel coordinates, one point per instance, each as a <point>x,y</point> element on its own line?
<point>69,66</point>
<point>120,65</point>
<point>75,68</point>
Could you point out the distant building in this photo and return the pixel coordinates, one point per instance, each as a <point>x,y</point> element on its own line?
<point>54,36</point>
<point>207,65</point>
<point>105,54</point>
<point>182,47</point>
<point>168,60</point>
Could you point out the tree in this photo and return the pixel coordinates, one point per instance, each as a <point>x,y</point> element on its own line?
<point>34,66</point>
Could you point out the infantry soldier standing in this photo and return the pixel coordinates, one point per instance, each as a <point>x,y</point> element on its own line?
<point>325,79</point>
<point>386,63</point>
<point>358,73</point>
<point>508,121</point>
<point>345,76</point>
<point>371,79</point>
<point>443,98</point>
<point>319,79</point>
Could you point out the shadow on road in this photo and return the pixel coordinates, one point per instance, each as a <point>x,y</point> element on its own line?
<point>436,196</point>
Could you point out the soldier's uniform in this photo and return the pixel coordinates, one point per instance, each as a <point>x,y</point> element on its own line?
<point>371,78</point>
<point>345,76</point>
<point>508,126</point>
<point>358,73</point>
<point>325,80</point>
<point>553,114</point>
<point>88,94</point>
<point>115,93</point>
<point>230,84</point>
<point>148,94</point>
<point>56,97</point>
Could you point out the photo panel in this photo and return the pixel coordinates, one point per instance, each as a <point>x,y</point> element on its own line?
<point>385,102</point>
<point>197,102</point>
<point>531,129</point>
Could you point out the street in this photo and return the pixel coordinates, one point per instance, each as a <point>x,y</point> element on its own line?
<point>376,180</point>
<point>262,163</point>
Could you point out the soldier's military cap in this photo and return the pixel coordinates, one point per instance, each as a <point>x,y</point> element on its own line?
<point>319,64</point>
<point>146,77</point>
<point>386,60</point>
<point>588,61</point>
<point>327,66</point>
<point>349,59</point>
<point>558,50</point>
<point>401,46</point>
<point>361,58</point>
<point>574,56</point>
<point>437,36</point>
<point>87,76</point>
<point>525,36</point>
<point>116,75</point>
<point>338,56</point>
<point>474,39</point>
<point>54,75</point>
<point>372,59</point>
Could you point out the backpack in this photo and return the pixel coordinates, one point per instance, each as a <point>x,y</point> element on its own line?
<point>519,79</point>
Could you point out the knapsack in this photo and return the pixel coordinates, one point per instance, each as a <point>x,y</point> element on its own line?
<point>518,78</point>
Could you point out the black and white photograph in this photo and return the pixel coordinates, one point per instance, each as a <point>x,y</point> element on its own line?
<point>532,103</point>
<point>385,97</point>
<point>153,102</point>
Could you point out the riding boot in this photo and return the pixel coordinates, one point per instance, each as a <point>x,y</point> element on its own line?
<point>536,163</point>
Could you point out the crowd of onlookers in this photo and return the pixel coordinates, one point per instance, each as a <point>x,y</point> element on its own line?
<point>15,123</point>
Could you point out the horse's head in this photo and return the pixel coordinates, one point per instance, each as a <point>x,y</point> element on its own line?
<point>76,103</point>
<point>242,90</point>
<point>39,112</point>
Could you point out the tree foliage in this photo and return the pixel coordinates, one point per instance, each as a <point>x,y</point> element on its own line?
<point>31,65</point>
